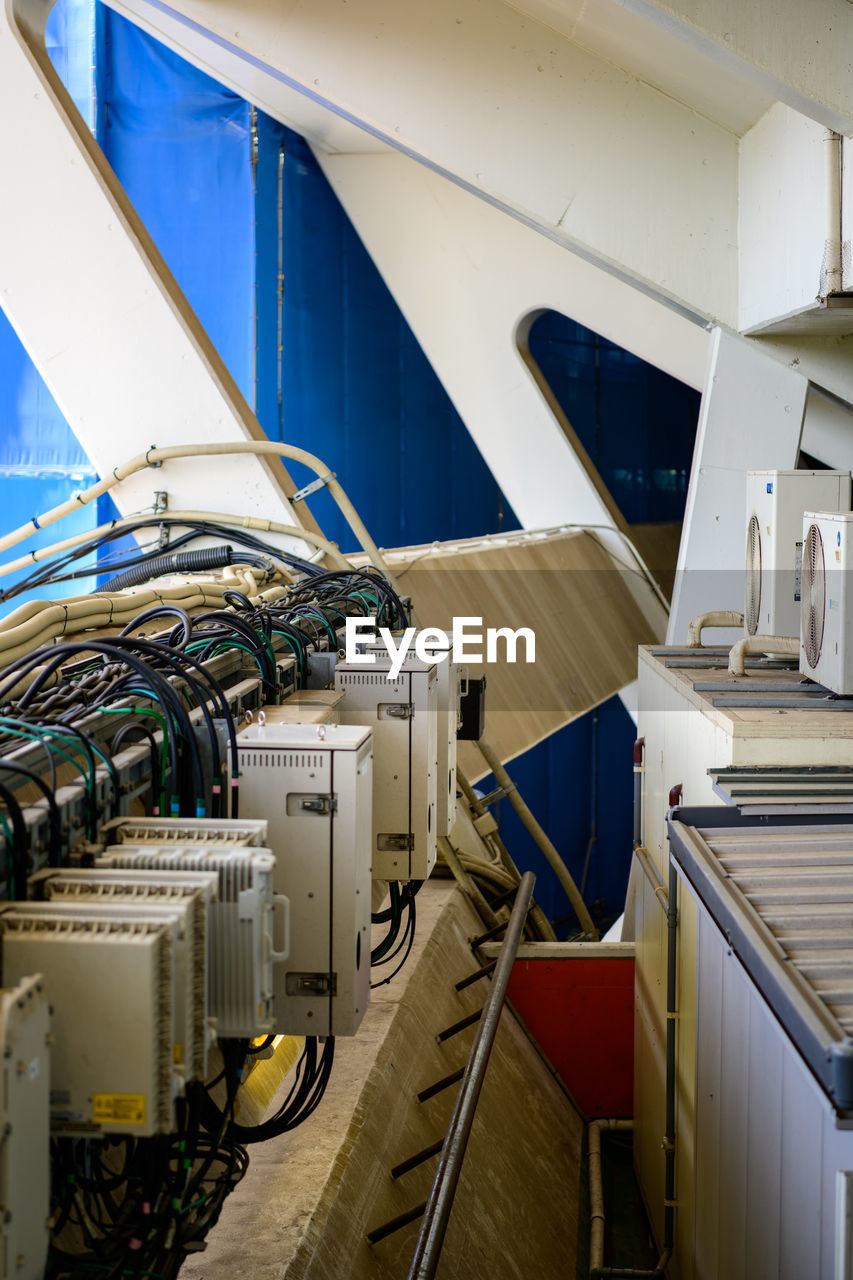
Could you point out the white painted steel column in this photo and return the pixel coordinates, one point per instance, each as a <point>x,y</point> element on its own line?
<point>751,419</point>
<point>468,280</point>
<point>505,104</point>
<point>98,310</point>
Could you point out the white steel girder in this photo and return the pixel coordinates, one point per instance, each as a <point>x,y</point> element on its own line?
<point>98,310</point>
<point>798,53</point>
<point>503,104</point>
<point>469,281</point>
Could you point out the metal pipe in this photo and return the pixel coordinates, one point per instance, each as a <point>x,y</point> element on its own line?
<point>597,1270</point>
<point>832,209</point>
<point>639,753</point>
<point>596,1190</point>
<point>632,1273</point>
<point>545,844</point>
<point>650,872</point>
<point>671,1009</point>
<point>440,1203</point>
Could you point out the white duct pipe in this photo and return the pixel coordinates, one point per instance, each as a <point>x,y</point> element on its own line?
<point>832,245</point>
<point>721,618</point>
<point>760,644</point>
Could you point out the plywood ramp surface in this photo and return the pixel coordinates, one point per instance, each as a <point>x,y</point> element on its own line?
<point>309,1198</point>
<point>566,588</point>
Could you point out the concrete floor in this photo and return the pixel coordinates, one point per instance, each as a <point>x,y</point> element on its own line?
<point>309,1198</point>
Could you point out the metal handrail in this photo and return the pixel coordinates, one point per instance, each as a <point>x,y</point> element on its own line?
<point>440,1203</point>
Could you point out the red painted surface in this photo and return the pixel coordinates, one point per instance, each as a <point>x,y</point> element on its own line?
<point>582,1014</point>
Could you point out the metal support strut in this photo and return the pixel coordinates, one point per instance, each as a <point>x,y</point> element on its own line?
<point>440,1203</point>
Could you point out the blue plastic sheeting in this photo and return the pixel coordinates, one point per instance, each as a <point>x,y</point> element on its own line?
<point>70,42</point>
<point>579,784</point>
<point>180,145</point>
<point>637,424</point>
<point>354,385</point>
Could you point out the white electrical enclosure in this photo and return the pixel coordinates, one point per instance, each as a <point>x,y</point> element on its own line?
<point>775,502</point>
<point>110,991</point>
<point>187,916</point>
<point>24,1116</point>
<point>242,948</point>
<point>314,786</point>
<point>826,627</point>
<point>403,713</point>
<point>231,832</point>
<point>448,723</point>
<point>449,678</point>
<point>192,894</point>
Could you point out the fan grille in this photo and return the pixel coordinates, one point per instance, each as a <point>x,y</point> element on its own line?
<point>813,602</point>
<point>752,601</point>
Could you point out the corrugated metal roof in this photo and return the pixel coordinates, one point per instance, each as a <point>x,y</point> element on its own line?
<point>758,789</point>
<point>782,893</point>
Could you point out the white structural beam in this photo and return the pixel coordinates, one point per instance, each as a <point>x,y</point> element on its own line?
<point>828,431</point>
<point>508,107</point>
<point>751,419</point>
<point>469,280</point>
<point>98,310</point>
<point>798,52</point>
<point>782,217</point>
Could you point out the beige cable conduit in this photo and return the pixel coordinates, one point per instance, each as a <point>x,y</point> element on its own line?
<point>38,622</point>
<point>153,456</point>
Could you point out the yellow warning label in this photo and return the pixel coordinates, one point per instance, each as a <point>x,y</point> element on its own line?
<point>119,1108</point>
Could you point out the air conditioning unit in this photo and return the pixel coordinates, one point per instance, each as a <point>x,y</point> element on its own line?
<point>403,714</point>
<point>314,786</point>
<point>242,951</point>
<point>234,833</point>
<point>775,502</point>
<point>24,1121</point>
<point>826,628</point>
<point>110,990</point>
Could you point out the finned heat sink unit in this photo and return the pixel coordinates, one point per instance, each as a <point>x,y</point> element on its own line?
<point>403,713</point>
<point>314,785</point>
<point>826,653</point>
<point>186,916</point>
<point>775,502</point>
<point>192,894</point>
<point>235,833</point>
<point>25,1124</point>
<point>110,991</point>
<point>242,952</point>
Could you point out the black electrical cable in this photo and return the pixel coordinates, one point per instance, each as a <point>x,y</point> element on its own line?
<point>201,561</point>
<point>180,636</point>
<point>51,570</point>
<point>20,845</point>
<point>54,820</point>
